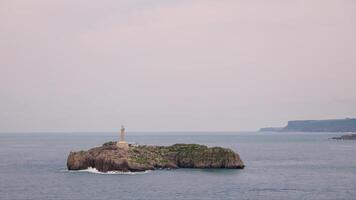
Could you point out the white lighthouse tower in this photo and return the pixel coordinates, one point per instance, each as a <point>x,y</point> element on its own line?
<point>122,143</point>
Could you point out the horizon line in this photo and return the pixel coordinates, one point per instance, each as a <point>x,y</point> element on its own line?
<point>185,131</point>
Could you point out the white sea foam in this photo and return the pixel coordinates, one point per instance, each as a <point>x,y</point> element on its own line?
<point>95,171</point>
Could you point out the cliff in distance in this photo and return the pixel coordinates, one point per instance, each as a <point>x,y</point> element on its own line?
<point>331,125</point>
<point>109,157</point>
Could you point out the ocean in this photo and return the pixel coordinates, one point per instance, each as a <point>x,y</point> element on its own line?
<point>278,166</point>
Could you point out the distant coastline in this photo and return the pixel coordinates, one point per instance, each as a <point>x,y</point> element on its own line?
<point>330,125</point>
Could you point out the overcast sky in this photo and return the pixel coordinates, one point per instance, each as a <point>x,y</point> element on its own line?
<point>154,65</point>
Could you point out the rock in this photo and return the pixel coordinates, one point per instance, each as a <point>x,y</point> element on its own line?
<point>109,157</point>
<point>330,125</point>
<point>345,137</point>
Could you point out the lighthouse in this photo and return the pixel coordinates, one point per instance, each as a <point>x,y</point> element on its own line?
<point>122,143</point>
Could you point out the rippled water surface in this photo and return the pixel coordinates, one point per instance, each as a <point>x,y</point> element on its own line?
<point>278,166</point>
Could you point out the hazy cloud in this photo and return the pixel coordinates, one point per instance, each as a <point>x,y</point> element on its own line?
<point>174,65</point>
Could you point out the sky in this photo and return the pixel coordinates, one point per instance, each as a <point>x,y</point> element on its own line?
<point>154,65</point>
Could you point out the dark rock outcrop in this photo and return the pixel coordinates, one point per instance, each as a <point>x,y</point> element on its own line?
<point>140,158</point>
<point>345,137</point>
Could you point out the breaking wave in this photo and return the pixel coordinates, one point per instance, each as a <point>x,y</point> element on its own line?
<point>95,171</point>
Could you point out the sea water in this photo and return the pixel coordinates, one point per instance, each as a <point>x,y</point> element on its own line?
<point>278,166</point>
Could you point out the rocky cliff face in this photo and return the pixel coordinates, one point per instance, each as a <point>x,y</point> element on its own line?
<point>140,158</point>
<point>331,125</point>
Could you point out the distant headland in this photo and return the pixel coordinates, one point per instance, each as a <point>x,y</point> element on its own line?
<point>125,157</point>
<point>330,125</point>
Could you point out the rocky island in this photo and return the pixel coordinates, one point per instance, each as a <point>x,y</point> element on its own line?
<point>113,157</point>
<point>345,137</point>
